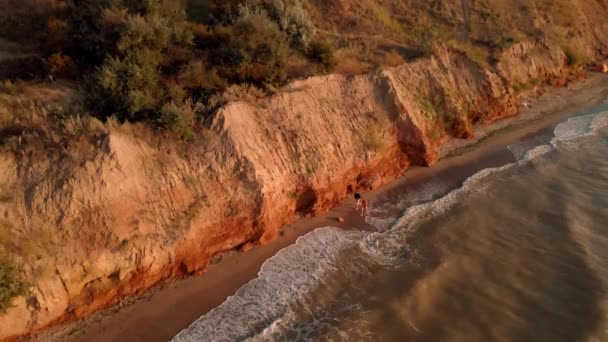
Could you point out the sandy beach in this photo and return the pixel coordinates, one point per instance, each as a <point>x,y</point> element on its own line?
<point>162,312</point>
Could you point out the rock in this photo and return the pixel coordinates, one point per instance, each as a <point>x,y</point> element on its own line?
<point>247,247</point>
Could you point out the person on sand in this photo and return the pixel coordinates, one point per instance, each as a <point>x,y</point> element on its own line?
<point>358,199</point>
<point>363,207</point>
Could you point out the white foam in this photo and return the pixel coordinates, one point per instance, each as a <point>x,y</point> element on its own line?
<point>580,126</point>
<point>414,215</point>
<point>263,305</point>
<point>573,128</point>
<point>384,216</point>
<point>381,223</point>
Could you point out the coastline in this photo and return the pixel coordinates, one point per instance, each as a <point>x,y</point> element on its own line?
<point>162,312</point>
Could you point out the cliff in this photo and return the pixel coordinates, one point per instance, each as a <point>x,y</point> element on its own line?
<point>110,213</point>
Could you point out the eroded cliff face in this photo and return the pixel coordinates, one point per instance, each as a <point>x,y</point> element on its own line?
<point>110,216</point>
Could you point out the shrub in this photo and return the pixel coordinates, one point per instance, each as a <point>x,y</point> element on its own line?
<point>478,54</point>
<point>573,58</point>
<point>203,35</point>
<point>301,66</point>
<point>322,53</point>
<point>351,65</point>
<point>518,87</point>
<point>392,58</point>
<point>292,19</point>
<point>130,82</point>
<point>115,16</point>
<point>242,92</point>
<point>12,284</point>
<point>175,92</point>
<point>257,52</point>
<point>178,118</point>
<point>127,88</point>
<point>236,92</point>
<point>372,140</point>
<point>197,75</point>
<point>61,65</point>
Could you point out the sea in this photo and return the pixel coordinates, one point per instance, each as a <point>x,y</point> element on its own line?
<point>516,252</point>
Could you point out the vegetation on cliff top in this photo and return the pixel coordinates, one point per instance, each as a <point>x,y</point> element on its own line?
<point>168,62</point>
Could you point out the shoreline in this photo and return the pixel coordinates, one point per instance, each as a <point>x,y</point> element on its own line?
<point>160,313</point>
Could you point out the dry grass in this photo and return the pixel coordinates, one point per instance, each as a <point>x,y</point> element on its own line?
<point>300,67</point>
<point>52,121</point>
<point>383,16</point>
<point>492,26</point>
<point>238,92</point>
<point>478,54</point>
<point>12,87</point>
<point>372,139</point>
<point>350,64</point>
<point>428,108</point>
<point>393,58</point>
<point>576,57</point>
<point>42,122</point>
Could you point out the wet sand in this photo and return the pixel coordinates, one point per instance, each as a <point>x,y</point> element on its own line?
<point>161,313</point>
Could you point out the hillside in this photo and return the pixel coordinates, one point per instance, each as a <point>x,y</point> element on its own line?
<point>138,139</point>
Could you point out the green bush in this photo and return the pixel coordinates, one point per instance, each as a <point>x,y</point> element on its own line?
<point>128,88</point>
<point>322,53</point>
<point>257,52</point>
<point>130,82</point>
<point>178,118</point>
<point>292,19</point>
<point>575,58</point>
<point>197,75</point>
<point>12,284</point>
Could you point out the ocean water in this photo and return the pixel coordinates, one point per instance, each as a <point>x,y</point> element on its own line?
<point>516,253</point>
